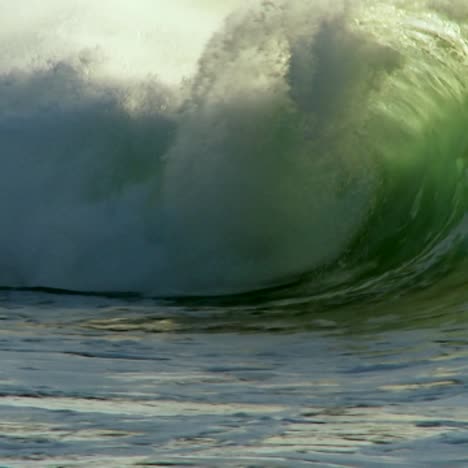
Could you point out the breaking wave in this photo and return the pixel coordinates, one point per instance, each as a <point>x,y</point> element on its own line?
<point>320,145</point>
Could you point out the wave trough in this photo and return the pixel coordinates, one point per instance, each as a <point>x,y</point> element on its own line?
<point>313,143</point>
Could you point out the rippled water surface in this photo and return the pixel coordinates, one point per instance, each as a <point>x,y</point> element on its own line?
<point>88,381</point>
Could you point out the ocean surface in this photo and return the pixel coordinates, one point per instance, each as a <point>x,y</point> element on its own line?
<point>234,233</point>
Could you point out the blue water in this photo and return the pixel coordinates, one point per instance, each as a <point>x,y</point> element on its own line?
<point>95,381</point>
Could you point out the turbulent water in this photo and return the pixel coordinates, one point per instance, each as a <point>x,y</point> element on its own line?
<point>234,232</point>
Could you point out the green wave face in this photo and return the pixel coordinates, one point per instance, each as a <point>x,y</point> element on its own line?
<point>417,129</point>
